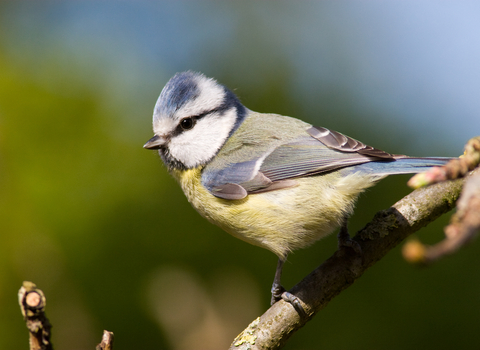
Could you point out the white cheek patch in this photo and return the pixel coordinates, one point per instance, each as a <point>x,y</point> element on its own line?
<point>200,144</point>
<point>211,97</point>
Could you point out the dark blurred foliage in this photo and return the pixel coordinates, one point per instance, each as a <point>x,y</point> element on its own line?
<point>96,222</point>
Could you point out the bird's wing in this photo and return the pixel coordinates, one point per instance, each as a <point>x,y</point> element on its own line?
<point>318,151</point>
<point>335,140</point>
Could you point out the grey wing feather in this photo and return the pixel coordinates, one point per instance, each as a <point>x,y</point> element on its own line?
<point>307,156</point>
<point>318,151</point>
<point>229,191</point>
<point>236,181</point>
<point>226,182</point>
<point>338,141</point>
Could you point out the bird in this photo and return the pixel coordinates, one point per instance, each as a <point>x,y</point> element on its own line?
<point>273,181</point>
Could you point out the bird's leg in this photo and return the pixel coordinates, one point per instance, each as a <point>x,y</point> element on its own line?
<point>277,288</point>
<point>278,292</point>
<point>344,239</point>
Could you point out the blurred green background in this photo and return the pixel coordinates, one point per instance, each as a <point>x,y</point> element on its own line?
<point>96,222</point>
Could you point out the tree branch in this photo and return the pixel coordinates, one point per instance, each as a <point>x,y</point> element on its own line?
<point>107,341</point>
<point>32,304</point>
<point>464,227</point>
<point>387,229</point>
<point>465,224</point>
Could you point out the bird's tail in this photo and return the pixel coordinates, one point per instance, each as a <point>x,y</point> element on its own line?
<point>401,165</point>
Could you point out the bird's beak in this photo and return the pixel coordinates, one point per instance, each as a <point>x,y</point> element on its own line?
<point>155,142</point>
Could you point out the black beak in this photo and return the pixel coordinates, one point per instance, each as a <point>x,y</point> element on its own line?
<point>155,142</point>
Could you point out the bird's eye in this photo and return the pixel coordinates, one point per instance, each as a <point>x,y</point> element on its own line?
<point>187,123</point>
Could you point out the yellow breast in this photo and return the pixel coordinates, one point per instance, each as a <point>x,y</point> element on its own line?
<point>283,220</point>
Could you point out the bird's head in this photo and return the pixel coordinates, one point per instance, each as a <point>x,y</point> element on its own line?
<point>193,118</point>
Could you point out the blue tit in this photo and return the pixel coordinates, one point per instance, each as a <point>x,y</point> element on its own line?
<point>270,180</point>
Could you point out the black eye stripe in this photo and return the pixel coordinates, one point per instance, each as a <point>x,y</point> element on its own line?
<point>180,129</point>
<point>201,115</point>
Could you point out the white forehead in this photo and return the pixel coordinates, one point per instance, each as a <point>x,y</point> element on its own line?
<point>163,126</point>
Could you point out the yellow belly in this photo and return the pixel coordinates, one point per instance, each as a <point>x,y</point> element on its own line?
<point>283,220</point>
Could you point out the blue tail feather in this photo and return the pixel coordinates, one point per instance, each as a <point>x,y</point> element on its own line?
<point>399,166</point>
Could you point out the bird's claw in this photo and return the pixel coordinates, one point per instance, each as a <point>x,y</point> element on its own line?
<point>295,302</point>
<point>347,242</point>
<point>278,293</point>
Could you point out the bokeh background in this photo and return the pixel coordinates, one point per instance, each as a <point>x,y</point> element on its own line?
<point>97,223</point>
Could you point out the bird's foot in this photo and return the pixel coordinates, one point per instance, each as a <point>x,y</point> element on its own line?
<point>295,302</point>
<point>278,292</point>
<point>345,241</point>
